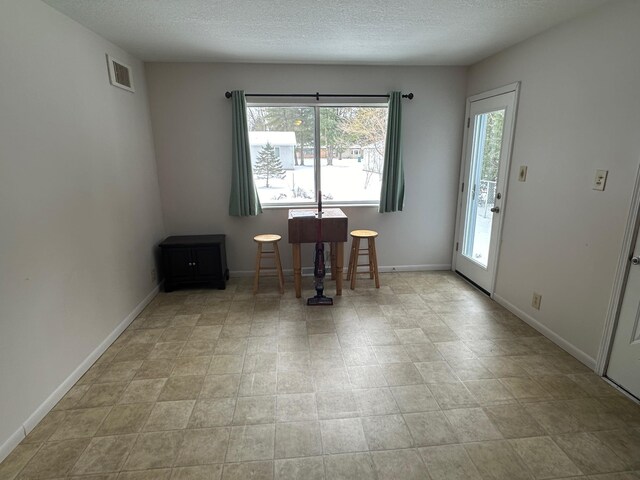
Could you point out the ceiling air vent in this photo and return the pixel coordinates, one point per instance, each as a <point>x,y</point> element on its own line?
<point>120,74</point>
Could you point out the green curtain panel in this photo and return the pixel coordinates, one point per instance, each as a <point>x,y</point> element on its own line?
<point>392,193</point>
<point>244,201</point>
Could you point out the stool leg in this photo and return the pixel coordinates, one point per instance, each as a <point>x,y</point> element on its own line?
<point>278,267</point>
<point>370,250</point>
<point>351,256</point>
<point>332,255</point>
<point>257,274</point>
<point>373,258</point>
<point>354,272</point>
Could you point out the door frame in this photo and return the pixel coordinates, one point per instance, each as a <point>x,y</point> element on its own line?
<point>515,88</point>
<point>631,231</point>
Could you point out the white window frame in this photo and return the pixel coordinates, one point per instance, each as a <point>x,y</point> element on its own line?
<point>317,150</point>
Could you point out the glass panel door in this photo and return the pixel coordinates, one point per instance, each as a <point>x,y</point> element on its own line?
<point>485,162</point>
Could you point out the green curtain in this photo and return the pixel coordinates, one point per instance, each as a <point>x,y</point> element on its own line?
<point>244,200</point>
<point>392,193</point>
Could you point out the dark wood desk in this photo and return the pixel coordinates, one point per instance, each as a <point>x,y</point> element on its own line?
<point>303,228</point>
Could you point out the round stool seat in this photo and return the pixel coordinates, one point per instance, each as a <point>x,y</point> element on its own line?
<point>364,234</point>
<point>267,238</point>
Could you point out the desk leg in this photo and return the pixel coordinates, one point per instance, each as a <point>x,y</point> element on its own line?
<point>333,254</point>
<point>297,269</point>
<point>339,266</point>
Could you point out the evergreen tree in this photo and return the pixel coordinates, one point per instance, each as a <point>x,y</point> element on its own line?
<point>268,165</point>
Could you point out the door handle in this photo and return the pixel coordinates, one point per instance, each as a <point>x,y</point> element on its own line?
<point>495,210</point>
<point>635,260</point>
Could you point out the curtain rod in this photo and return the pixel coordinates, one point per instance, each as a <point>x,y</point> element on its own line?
<point>317,95</point>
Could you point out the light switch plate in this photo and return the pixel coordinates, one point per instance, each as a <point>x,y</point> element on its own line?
<point>522,175</point>
<point>601,180</point>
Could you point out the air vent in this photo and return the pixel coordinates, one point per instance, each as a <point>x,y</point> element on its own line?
<point>120,74</point>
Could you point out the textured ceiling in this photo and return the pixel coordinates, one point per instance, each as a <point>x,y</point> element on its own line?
<point>393,32</point>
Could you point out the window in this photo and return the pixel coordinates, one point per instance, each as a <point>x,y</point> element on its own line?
<point>292,159</point>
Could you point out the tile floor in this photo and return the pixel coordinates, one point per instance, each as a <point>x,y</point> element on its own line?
<point>422,379</point>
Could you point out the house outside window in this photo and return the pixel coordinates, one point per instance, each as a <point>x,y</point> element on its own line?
<point>338,149</point>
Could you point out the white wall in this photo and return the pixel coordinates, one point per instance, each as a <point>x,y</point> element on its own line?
<point>79,203</point>
<point>579,111</point>
<point>192,130</point>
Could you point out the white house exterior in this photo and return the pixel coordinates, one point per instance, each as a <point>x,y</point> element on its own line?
<point>283,142</point>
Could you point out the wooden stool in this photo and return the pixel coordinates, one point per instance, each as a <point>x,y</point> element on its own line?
<point>356,252</point>
<point>274,253</point>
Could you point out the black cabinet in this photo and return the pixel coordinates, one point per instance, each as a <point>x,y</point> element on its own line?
<point>192,260</point>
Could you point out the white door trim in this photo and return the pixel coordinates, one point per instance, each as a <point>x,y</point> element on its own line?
<point>620,280</point>
<point>512,87</point>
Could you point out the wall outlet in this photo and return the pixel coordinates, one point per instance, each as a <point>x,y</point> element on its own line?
<point>522,175</point>
<point>536,300</point>
<point>154,275</point>
<point>601,179</point>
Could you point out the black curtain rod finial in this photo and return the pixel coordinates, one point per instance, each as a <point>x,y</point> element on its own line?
<point>408,95</point>
<point>227,94</point>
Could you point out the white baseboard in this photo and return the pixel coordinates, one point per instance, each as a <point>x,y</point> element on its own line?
<point>12,442</point>
<point>308,271</point>
<point>547,332</point>
<point>46,406</point>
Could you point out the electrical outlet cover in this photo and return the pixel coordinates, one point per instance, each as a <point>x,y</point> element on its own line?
<point>601,179</point>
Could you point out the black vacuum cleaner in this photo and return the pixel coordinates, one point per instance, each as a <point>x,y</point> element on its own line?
<point>319,271</point>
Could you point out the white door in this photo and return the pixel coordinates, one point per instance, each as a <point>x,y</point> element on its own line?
<point>484,173</point>
<point>624,362</point>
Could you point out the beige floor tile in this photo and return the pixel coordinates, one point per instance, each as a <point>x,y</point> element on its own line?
<point>497,460</point>
<point>525,389</point>
<point>555,417</point>
<point>203,446</point>
<point>141,391</point>
<point>55,459</point>
<point>430,428</point>
<point>343,435</point>
<point>472,425</point>
<point>80,423</point>
<point>470,369</point>
<point>386,432</point>
<point>72,397</point>
<point>251,442</point>
<point>293,344</point>
<point>200,472</point>
<point>452,395</point>
<point>398,374</point>
<point>423,352</point>
<point>513,421</point>
<point>561,387</point>
<point>436,373</point>
<point>594,414</point>
<point>298,439</point>
<point>625,443</point>
<point>104,454</point>
<point>260,362</point>
<point>252,470</point>
<point>154,474</point>
<point>214,412</point>
<point>120,372</point>
<point>333,379</point>
<point>310,468</point>
<point>167,350</point>
<point>594,385</point>
<point>262,344</point>
<point>544,458</point>
<point>47,426</point>
<point>296,407</point>
<point>332,405</point>
<point>231,346</point>
<point>134,352</point>
<point>181,388</point>
<point>375,401</point>
<point>176,334</point>
<point>399,464</point>
<point>216,386</point>
<point>124,419</point>
<point>17,459</point>
<point>449,462</point>
<point>159,368</point>
<point>589,453</point>
<point>615,476</point>
<point>414,398</point>
<point>101,394</point>
<point>225,364</point>
<point>367,377</point>
<point>191,366</point>
<point>489,392</point>
<point>295,382</point>
<point>353,466</point>
<point>503,367</point>
<point>390,354</point>
<point>252,410</point>
<point>326,359</point>
<point>169,416</point>
<point>255,384</point>
<point>154,450</point>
